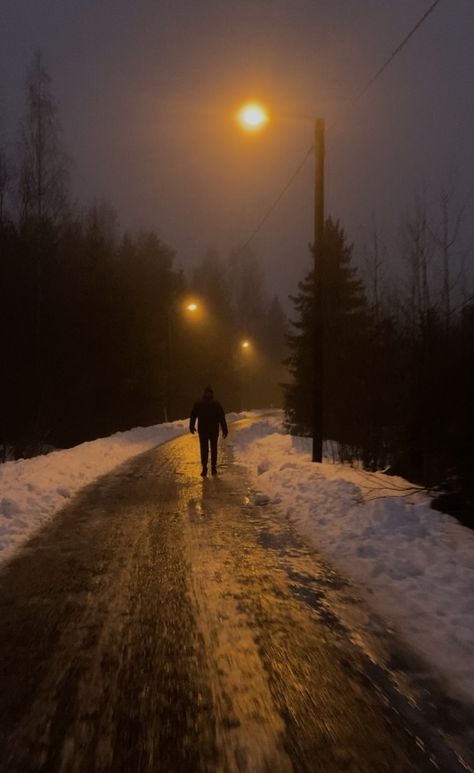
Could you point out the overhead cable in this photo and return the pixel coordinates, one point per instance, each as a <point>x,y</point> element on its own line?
<point>350,106</point>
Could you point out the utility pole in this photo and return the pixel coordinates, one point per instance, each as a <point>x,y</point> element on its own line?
<point>318,330</point>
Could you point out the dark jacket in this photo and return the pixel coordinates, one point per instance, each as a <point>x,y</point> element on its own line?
<point>209,414</point>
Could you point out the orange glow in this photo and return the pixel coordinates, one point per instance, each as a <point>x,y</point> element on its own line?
<point>245,344</point>
<point>252,116</point>
<point>192,306</point>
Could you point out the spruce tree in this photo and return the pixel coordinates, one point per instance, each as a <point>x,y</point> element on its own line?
<point>345,335</point>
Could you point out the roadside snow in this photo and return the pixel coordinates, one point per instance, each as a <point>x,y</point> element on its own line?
<point>417,563</point>
<point>33,490</point>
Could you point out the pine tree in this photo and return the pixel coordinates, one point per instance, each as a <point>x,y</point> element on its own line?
<point>345,334</point>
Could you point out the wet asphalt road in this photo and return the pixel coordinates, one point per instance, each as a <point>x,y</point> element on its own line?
<point>166,623</point>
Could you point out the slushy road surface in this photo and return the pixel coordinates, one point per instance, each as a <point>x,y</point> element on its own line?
<point>167,623</point>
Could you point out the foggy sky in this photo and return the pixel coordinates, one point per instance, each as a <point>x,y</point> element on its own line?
<point>147,92</point>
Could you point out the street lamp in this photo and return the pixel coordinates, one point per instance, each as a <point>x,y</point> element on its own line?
<point>318,353</point>
<point>186,307</point>
<point>244,355</point>
<point>254,116</point>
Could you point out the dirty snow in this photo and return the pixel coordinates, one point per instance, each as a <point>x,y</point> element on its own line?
<point>32,490</point>
<point>416,563</point>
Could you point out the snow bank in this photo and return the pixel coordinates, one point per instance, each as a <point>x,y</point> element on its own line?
<point>417,563</point>
<point>32,490</point>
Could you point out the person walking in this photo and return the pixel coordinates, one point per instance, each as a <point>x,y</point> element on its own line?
<point>209,414</point>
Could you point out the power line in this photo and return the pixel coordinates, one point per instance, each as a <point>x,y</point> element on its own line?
<point>392,56</point>
<point>462,306</point>
<point>273,206</point>
<point>351,104</point>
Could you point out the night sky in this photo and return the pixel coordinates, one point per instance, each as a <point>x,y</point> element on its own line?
<point>147,92</point>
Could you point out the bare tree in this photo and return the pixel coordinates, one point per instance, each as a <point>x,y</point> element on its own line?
<point>42,180</point>
<point>418,248</point>
<point>247,287</point>
<point>373,264</point>
<point>5,172</point>
<point>4,183</point>
<point>43,165</point>
<point>445,240</point>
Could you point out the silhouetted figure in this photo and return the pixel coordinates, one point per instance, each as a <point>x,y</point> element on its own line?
<point>210,415</point>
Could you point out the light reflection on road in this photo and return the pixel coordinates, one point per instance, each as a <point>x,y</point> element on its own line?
<point>164,622</point>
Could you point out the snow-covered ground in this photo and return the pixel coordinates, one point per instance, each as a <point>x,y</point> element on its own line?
<point>32,490</point>
<point>416,563</point>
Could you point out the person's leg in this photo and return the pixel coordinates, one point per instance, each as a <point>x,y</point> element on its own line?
<point>204,446</point>
<point>213,440</point>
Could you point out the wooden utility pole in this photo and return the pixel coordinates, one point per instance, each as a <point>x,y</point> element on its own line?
<point>318,332</point>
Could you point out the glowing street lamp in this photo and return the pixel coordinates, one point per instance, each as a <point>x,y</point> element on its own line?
<point>185,308</point>
<point>253,116</point>
<point>244,358</point>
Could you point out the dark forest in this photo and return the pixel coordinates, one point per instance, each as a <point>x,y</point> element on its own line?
<point>96,336</point>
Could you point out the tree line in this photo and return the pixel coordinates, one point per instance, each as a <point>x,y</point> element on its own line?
<point>95,336</point>
<point>398,379</point>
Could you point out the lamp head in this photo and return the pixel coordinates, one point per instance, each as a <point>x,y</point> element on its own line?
<point>252,116</point>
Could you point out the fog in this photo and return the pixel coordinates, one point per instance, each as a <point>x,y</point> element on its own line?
<point>147,94</point>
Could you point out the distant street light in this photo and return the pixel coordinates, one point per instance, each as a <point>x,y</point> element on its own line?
<point>252,117</point>
<point>244,359</point>
<point>194,308</point>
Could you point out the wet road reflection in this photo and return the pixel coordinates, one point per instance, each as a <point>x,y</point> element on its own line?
<point>165,623</point>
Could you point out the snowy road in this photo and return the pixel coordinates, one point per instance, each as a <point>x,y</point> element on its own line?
<point>165,623</point>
